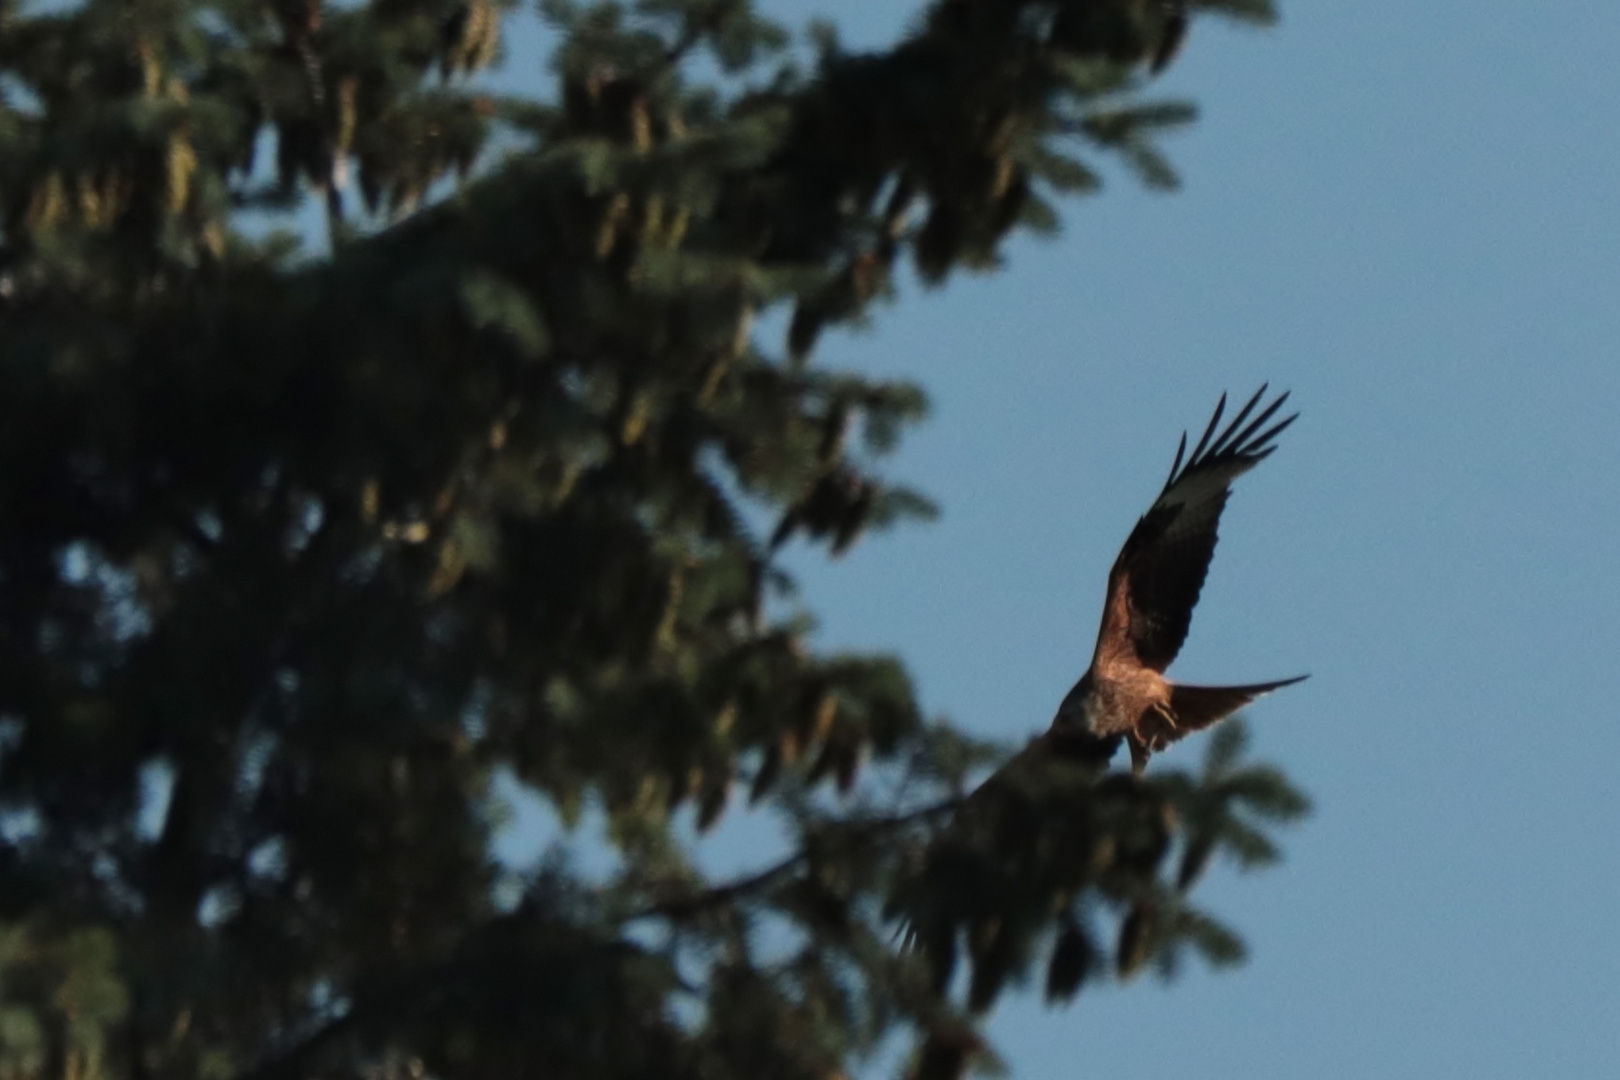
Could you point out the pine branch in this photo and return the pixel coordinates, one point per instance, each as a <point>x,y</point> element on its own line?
<point>748,884</point>
<point>406,995</point>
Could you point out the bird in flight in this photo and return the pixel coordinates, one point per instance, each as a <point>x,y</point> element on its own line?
<point>1152,591</point>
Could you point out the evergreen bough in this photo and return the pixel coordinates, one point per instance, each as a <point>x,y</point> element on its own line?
<point>299,552</point>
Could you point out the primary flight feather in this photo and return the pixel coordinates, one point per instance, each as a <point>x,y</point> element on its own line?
<point>1152,590</point>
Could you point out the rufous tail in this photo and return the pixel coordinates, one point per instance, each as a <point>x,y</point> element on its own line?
<point>1197,707</point>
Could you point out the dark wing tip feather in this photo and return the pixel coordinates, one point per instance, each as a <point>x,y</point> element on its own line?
<point>1236,442</point>
<point>1237,421</point>
<point>1265,440</point>
<point>1244,436</point>
<point>1220,407</point>
<point>1181,448</point>
<point>1230,436</point>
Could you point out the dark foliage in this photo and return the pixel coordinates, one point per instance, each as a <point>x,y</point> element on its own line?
<point>297,555</point>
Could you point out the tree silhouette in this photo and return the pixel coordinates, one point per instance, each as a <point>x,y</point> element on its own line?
<point>300,553</point>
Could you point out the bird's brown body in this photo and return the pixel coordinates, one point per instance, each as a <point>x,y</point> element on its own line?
<point>1152,590</point>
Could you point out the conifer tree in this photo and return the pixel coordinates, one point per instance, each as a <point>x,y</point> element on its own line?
<point>301,548</point>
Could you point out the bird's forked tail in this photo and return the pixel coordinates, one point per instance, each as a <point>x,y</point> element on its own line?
<point>1197,707</point>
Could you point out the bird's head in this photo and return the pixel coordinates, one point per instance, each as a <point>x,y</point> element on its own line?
<point>1073,735</point>
<point>1075,711</point>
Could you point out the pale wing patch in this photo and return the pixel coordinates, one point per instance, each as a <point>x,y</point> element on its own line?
<point>1205,484</point>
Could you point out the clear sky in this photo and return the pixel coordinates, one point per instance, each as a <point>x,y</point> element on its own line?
<point>1408,214</point>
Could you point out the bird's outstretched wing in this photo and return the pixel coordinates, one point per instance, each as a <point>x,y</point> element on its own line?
<point>1155,582</point>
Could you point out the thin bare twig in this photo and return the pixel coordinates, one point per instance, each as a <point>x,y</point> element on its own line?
<point>759,880</point>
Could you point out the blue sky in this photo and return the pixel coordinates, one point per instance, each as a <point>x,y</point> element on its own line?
<point>1409,215</point>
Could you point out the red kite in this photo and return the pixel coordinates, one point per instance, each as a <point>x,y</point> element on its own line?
<point>1152,591</point>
